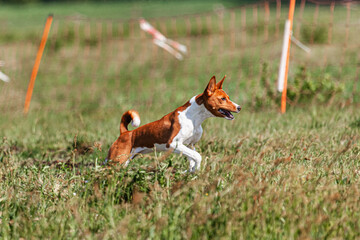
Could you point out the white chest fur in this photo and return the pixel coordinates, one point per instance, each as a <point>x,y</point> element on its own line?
<point>190,121</point>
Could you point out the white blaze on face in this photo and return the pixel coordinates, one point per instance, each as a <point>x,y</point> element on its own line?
<point>238,108</point>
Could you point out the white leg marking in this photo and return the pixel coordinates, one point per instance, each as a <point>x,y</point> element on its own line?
<point>191,161</point>
<point>192,164</point>
<point>140,150</point>
<point>193,156</point>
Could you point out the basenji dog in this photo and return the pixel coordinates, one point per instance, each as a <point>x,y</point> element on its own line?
<point>177,131</point>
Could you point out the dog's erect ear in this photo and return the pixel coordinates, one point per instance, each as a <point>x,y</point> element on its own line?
<point>211,87</point>
<point>219,84</point>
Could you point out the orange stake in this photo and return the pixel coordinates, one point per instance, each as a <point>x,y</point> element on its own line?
<point>283,96</point>
<point>37,63</point>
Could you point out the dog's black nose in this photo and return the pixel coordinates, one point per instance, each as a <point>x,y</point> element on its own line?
<point>238,108</point>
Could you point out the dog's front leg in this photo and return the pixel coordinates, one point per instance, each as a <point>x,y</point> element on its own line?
<point>191,165</point>
<point>193,156</point>
<point>191,161</point>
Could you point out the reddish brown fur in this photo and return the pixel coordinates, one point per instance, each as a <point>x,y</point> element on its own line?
<point>126,119</point>
<point>212,98</point>
<point>161,131</point>
<point>165,129</point>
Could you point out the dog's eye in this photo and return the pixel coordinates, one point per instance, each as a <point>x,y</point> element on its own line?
<point>224,99</point>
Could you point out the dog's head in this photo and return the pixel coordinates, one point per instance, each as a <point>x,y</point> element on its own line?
<point>217,101</point>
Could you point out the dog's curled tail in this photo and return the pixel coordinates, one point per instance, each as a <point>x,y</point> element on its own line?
<point>130,116</point>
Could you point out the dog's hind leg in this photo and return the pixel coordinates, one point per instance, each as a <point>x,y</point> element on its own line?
<point>138,151</point>
<point>122,156</point>
<point>120,150</point>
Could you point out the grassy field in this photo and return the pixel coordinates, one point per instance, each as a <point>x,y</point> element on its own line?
<point>263,175</point>
<point>28,17</point>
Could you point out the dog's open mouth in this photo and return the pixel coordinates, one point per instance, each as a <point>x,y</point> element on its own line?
<point>226,113</point>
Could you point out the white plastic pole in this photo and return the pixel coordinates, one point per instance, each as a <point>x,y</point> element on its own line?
<point>282,67</point>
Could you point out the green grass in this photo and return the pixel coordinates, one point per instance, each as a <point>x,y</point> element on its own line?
<point>29,16</point>
<point>263,175</point>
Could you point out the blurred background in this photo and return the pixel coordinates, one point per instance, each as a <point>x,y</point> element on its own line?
<point>97,57</point>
